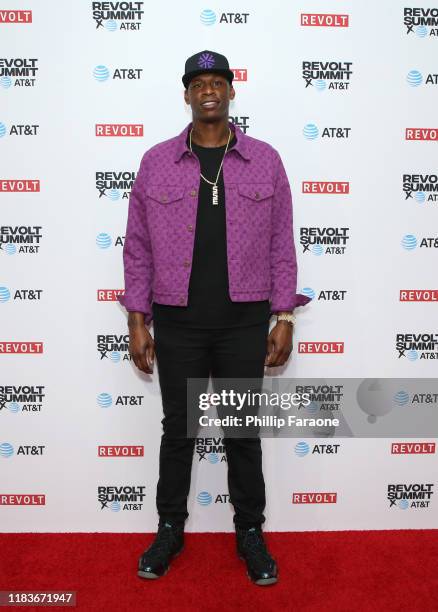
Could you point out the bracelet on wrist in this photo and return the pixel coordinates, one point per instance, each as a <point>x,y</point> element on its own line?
<point>288,317</point>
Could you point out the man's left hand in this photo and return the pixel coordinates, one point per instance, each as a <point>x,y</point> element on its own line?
<point>279,344</point>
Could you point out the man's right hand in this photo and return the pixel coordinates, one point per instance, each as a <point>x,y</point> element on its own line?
<point>141,343</point>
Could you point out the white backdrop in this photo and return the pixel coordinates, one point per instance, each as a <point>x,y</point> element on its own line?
<point>62,72</point>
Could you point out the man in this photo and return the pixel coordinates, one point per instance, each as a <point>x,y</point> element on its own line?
<point>209,256</point>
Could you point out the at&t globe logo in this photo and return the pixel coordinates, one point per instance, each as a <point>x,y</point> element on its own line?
<point>6,450</point>
<point>110,25</point>
<point>310,131</point>
<point>421,31</point>
<point>5,294</point>
<point>10,248</point>
<point>103,240</point>
<point>414,78</point>
<point>208,17</point>
<point>101,73</point>
<point>204,498</point>
<point>5,82</point>
<point>14,407</point>
<point>401,398</point>
<point>104,400</point>
<point>409,242</point>
<point>302,449</point>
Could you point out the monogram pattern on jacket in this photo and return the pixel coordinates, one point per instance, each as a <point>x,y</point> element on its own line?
<point>160,232</point>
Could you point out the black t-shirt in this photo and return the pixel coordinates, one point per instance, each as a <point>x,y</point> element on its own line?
<point>209,304</point>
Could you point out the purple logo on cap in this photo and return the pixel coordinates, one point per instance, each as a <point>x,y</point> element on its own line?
<point>206,60</point>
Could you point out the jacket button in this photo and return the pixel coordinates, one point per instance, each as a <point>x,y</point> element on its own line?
<point>257,195</point>
<point>190,228</point>
<point>181,300</point>
<point>193,193</point>
<point>164,198</point>
<point>186,263</point>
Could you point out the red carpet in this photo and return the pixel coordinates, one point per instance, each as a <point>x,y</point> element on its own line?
<point>347,571</point>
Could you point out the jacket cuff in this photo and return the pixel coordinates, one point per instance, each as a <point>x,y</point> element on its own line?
<point>132,306</point>
<point>299,300</point>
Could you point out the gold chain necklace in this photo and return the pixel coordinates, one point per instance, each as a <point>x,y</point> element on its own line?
<point>214,189</point>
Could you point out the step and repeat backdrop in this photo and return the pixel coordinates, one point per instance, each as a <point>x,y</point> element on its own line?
<point>347,93</point>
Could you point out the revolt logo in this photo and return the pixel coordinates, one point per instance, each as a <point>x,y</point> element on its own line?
<point>18,72</point>
<point>418,295</point>
<point>420,21</point>
<point>413,448</point>
<point>325,397</point>
<point>113,347</point>
<point>327,74</point>
<point>315,498</point>
<point>326,187</point>
<point>15,16</point>
<point>417,346</point>
<point>421,134</point>
<point>22,398</point>
<point>211,450</point>
<point>120,451</point>
<point>240,74</point>
<point>22,239</point>
<point>22,499</point>
<point>119,130</point>
<point>112,16</point>
<point>420,187</point>
<point>325,20</point>
<point>109,295</point>
<point>21,348</point>
<point>115,185</point>
<point>241,121</point>
<point>414,495</point>
<point>324,240</point>
<point>19,185</point>
<point>321,348</point>
<point>121,498</point>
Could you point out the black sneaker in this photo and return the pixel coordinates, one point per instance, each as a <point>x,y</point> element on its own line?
<point>168,543</point>
<point>251,547</point>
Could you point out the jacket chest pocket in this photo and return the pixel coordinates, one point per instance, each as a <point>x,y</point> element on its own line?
<point>251,193</point>
<point>165,194</point>
<point>254,208</point>
<point>165,214</point>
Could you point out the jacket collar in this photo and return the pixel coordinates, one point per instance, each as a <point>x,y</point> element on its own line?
<point>241,145</point>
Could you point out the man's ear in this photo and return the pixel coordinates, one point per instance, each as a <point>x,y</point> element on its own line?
<point>186,96</point>
<point>232,92</point>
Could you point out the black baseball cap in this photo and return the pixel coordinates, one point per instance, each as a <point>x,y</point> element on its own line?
<point>206,61</point>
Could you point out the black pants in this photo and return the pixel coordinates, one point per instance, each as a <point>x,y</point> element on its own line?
<point>183,353</point>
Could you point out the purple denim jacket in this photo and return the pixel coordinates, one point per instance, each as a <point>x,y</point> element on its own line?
<point>160,232</point>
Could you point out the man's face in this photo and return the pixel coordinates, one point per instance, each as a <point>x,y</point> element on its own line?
<point>209,96</point>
